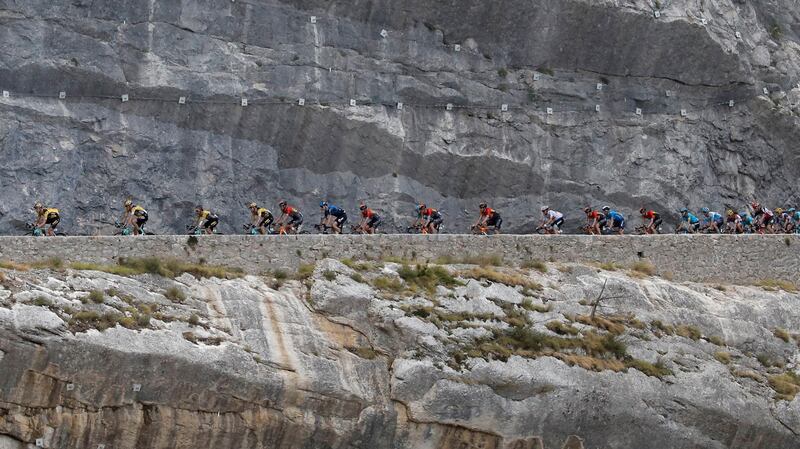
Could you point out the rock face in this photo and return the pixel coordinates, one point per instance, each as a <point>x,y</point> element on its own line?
<point>89,151</point>
<point>381,355</point>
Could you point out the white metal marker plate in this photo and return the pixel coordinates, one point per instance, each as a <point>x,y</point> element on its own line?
<point>638,111</point>
<point>125,98</point>
<point>549,111</point>
<point>313,19</point>
<point>449,107</point>
<point>352,102</point>
<point>137,387</point>
<point>683,113</point>
<point>62,95</point>
<point>301,102</point>
<point>597,108</point>
<point>504,107</point>
<point>457,47</point>
<point>182,100</point>
<point>384,33</point>
<point>399,106</point>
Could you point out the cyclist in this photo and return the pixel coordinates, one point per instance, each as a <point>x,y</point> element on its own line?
<point>135,216</point>
<point>429,219</point>
<point>206,219</point>
<point>794,221</point>
<point>763,218</point>
<point>332,217</point>
<point>369,219</point>
<point>46,216</point>
<point>489,219</point>
<point>748,224</point>
<point>260,218</point>
<point>652,219</point>
<point>689,222</point>
<point>615,221</point>
<point>596,221</point>
<point>551,221</point>
<point>783,221</point>
<point>290,219</point>
<point>712,221</point>
<point>733,223</point>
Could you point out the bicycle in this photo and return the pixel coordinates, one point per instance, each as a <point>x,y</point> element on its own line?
<point>199,230</point>
<point>126,230</point>
<point>36,231</point>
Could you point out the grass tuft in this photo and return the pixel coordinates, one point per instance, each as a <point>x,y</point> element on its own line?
<point>97,296</point>
<point>427,277</point>
<point>688,331</point>
<point>782,334</point>
<point>304,271</point>
<point>723,357</point>
<point>561,328</point>
<point>175,294</point>
<point>644,267</point>
<point>329,275</point>
<point>651,369</point>
<point>490,274</point>
<point>786,385</point>
<point>772,285</point>
<point>537,265</point>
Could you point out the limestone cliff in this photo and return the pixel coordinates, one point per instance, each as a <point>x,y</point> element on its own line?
<point>381,354</point>
<point>86,152</point>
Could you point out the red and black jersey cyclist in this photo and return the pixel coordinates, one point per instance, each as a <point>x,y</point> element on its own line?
<point>489,218</point>
<point>763,217</point>
<point>652,220</point>
<point>290,218</point>
<point>369,220</point>
<point>430,219</point>
<point>596,221</point>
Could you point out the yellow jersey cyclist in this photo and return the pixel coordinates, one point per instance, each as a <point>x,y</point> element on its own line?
<point>46,216</point>
<point>260,218</point>
<point>206,220</point>
<point>135,217</point>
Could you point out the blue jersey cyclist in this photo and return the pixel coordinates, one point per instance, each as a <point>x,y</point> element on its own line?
<point>689,222</point>
<point>712,221</point>
<point>333,217</point>
<point>615,221</point>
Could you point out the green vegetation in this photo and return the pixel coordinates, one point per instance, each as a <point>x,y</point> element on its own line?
<point>111,292</point>
<point>97,296</point>
<point>194,320</point>
<point>688,331</point>
<point>665,328</point>
<point>502,72</point>
<point>537,265</point>
<point>546,70</point>
<point>717,340</point>
<point>304,271</point>
<point>358,278</point>
<point>364,352</point>
<point>387,283</point>
<point>608,266</point>
<point>329,275</point>
<point>175,294</point>
<point>723,357</point>
<point>786,385</point>
<point>772,285</point>
<point>527,304</point>
<point>170,268</point>
<point>9,265</point>
<point>782,334</point>
<point>427,277</point>
<point>775,31</point>
<point>768,361</point>
<point>42,301</point>
<point>490,274</point>
<point>651,369</point>
<point>561,328</point>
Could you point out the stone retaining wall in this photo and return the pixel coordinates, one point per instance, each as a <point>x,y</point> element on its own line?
<point>724,258</point>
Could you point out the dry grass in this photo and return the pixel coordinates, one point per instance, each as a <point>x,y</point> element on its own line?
<point>175,294</point>
<point>661,327</point>
<point>527,304</point>
<point>776,284</point>
<point>9,265</point>
<point>96,296</point>
<point>170,268</point>
<point>591,363</point>
<point>510,279</point>
<point>723,357</point>
<point>609,325</point>
<point>537,265</point>
<point>717,340</point>
<point>426,277</point>
<point>748,374</point>
<point>688,331</point>
<point>387,283</point>
<point>561,328</point>
<point>786,385</point>
<point>608,266</point>
<point>651,369</point>
<point>644,267</point>
<point>782,334</point>
<point>304,271</point>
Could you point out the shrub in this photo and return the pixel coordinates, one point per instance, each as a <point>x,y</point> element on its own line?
<point>143,320</point>
<point>688,331</point>
<point>513,280</point>
<point>97,296</point>
<point>128,322</point>
<point>537,265</point>
<point>608,266</point>
<point>527,304</point>
<point>427,276</point>
<point>782,334</point>
<point>42,301</point>
<point>644,267</point>
<point>776,284</point>
<point>665,328</point>
<point>561,328</point>
<point>329,275</point>
<point>280,275</point>
<point>601,323</point>
<point>194,320</point>
<point>717,340</point>
<point>112,292</point>
<point>502,73</point>
<point>769,361</point>
<point>358,278</point>
<point>190,336</point>
<point>786,385</point>
<point>175,294</point>
<point>723,357</point>
<point>651,369</point>
<point>304,271</point>
<point>388,284</point>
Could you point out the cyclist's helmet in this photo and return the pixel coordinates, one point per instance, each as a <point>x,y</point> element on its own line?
<point>252,205</point>
<point>323,203</point>
<point>482,205</point>
<point>128,203</point>
<point>755,205</point>
<point>363,207</point>
<point>730,211</point>
<point>790,210</point>
<point>642,211</point>
<point>684,210</point>
<point>199,207</point>
<point>704,210</point>
<point>422,206</point>
<point>38,205</point>
<point>779,210</point>
<point>282,203</point>
<point>587,210</point>
<point>545,208</point>
<point>606,208</point>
